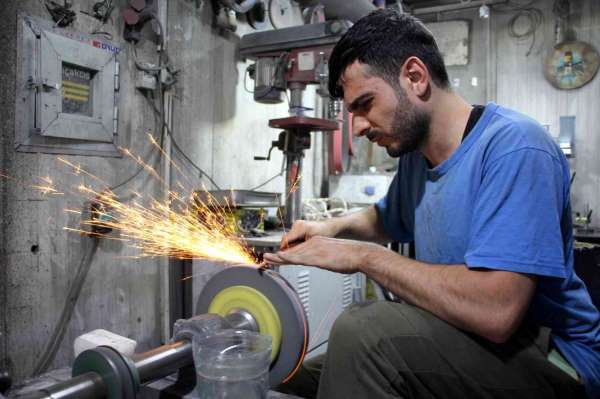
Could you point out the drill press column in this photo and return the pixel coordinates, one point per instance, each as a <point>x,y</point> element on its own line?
<point>297,139</point>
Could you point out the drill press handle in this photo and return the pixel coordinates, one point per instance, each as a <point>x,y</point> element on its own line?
<point>279,144</point>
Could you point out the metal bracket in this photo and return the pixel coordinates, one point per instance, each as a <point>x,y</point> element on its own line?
<point>34,28</point>
<point>33,84</point>
<point>116,108</point>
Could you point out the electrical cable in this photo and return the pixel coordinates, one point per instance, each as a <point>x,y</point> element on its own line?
<point>267,181</point>
<point>534,18</point>
<point>178,148</point>
<point>270,179</point>
<point>156,71</point>
<point>101,10</point>
<point>67,310</point>
<point>279,68</point>
<point>141,167</point>
<point>245,81</point>
<point>240,7</point>
<point>316,347</point>
<point>62,15</point>
<point>193,164</point>
<point>523,12</point>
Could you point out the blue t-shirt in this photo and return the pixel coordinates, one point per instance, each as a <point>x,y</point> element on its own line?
<point>501,201</point>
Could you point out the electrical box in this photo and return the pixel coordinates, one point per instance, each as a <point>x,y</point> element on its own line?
<point>365,189</point>
<point>67,91</point>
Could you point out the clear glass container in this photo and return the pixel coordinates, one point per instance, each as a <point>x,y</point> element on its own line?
<point>232,364</point>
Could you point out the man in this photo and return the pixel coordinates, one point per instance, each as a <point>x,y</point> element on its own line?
<point>484,194</point>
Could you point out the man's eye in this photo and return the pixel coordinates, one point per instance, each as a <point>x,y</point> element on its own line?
<point>365,105</point>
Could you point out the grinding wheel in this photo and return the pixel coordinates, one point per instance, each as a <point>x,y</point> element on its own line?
<point>273,303</point>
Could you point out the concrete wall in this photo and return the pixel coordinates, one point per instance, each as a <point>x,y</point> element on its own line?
<point>521,85</point>
<point>39,258</point>
<point>217,123</point>
<point>509,77</point>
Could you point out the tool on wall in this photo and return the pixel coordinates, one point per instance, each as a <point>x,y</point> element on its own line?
<point>238,297</point>
<point>62,15</point>
<point>101,10</point>
<point>136,15</point>
<point>572,63</point>
<point>226,12</point>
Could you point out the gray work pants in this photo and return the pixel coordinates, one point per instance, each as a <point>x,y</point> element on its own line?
<point>395,350</point>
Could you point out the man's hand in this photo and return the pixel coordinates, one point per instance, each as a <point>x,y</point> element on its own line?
<point>337,255</point>
<point>303,230</point>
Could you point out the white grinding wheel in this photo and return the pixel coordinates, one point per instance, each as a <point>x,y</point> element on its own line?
<point>273,303</point>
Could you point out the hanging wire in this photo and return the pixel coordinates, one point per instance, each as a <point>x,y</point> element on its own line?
<point>62,15</point>
<point>530,19</point>
<point>182,153</point>
<point>534,18</point>
<point>66,313</point>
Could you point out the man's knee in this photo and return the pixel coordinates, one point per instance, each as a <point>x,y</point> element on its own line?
<point>345,332</point>
<point>362,326</point>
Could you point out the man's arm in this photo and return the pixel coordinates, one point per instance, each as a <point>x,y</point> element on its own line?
<point>364,225</point>
<point>489,303</point>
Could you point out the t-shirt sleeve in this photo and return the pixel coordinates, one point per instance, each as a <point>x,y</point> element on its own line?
<point>517,215</point>
<point>390,208</point>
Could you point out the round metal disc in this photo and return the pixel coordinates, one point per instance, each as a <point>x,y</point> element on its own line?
<point>111,366</point>
<point>257,305</point>
<point>571,64</point>
<point>279,292</point>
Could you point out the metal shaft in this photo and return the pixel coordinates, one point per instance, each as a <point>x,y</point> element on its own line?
<point>163,360</point>
<point>167,359</point>
<point>242,320</point>
<point>154,364</point>
<point>88,386</point>
<point>293,201</point>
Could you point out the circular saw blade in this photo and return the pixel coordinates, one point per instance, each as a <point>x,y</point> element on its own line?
<point>294,325</point>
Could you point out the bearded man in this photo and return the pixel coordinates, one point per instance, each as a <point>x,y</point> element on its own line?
<point>491,306</point>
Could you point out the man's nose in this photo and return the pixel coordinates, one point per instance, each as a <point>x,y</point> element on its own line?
<point>360,126</point>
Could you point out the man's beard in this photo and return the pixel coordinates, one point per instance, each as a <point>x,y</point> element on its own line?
<point>409,130</point>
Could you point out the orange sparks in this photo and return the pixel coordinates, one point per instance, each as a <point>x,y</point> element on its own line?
<point>180,226</point>
<point>186,231</point>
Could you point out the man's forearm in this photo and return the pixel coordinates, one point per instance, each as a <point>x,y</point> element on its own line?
<point>364,225</point>
<point>488,303</point>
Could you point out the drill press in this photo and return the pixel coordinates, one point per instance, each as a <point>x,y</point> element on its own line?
<point>290,59</point>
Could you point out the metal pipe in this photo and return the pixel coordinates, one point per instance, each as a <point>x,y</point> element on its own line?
<point>351,10</point>
<point>296,101</point>
<point>151,365</point>
<point>167,359</point>
<point>89,386</point>
<point>455,7</point>
<point>239,319</point>
<point>163,360</point>
<point>293,200</point>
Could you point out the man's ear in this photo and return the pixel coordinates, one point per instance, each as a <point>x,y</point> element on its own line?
<point>415,76</point>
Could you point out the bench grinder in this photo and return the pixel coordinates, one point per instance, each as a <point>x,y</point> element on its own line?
<point>239,297</point>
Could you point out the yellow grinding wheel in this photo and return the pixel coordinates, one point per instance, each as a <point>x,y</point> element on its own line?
<point>255,303</point>
<point>273,304</point>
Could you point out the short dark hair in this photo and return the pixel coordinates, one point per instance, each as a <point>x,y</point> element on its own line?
<point>383,40</point>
